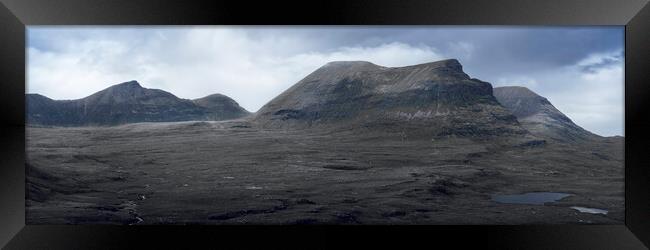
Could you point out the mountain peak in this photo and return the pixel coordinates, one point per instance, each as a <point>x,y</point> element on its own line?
<point>519,91</point>
<point>215,96</point>
<point>36,95</point>
<point>451,61</point>
<point>347,63</point>
<point>126,92</point>
<point>522,101</point>
<point>129,84</point>
<point>221,103</point>
<point>351,66</point>
<point>447,63</point>
<point>538,115</point>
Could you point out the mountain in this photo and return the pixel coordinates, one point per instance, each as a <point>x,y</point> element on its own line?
<point>437,97</point>
<point>539,116</point>
<point>128,102</point>
<point>221,106</point>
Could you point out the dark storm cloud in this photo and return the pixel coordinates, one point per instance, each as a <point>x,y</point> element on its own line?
<point>518,47</point>
<point>496,49</point>
<point>550,45</point>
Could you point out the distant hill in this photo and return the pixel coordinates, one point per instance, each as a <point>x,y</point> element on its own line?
<point>539,116</point>
<point>437,97</point>
<point>221,106</point>
<point>128,102</point>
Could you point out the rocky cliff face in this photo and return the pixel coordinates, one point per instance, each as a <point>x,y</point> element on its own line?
<point>126,103</point>
<point>438,97</point>
<point>539,116</point>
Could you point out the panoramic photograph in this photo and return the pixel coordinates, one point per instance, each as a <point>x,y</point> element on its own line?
<point>283,125</point>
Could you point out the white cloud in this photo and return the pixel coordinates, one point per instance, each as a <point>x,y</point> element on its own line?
<point>601,58</point>
<point>596,100</point>
<point>197,62</point>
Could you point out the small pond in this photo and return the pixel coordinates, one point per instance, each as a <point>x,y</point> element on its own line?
<point>533,198</point>
<point>590,210</point>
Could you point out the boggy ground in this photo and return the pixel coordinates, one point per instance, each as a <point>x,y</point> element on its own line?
<point>231,173</point>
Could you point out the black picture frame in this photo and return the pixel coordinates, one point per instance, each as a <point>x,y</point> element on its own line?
<point>16,14</point>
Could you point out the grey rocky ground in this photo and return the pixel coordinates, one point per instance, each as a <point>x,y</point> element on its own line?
<point>232,172</point>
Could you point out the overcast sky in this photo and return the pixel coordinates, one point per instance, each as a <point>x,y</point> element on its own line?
<point>579,69</point>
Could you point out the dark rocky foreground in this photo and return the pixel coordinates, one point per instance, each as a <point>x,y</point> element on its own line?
<point>234,172</point>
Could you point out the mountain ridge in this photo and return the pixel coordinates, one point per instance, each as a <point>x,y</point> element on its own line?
<point>125,102</point>
<point>437,97</point>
